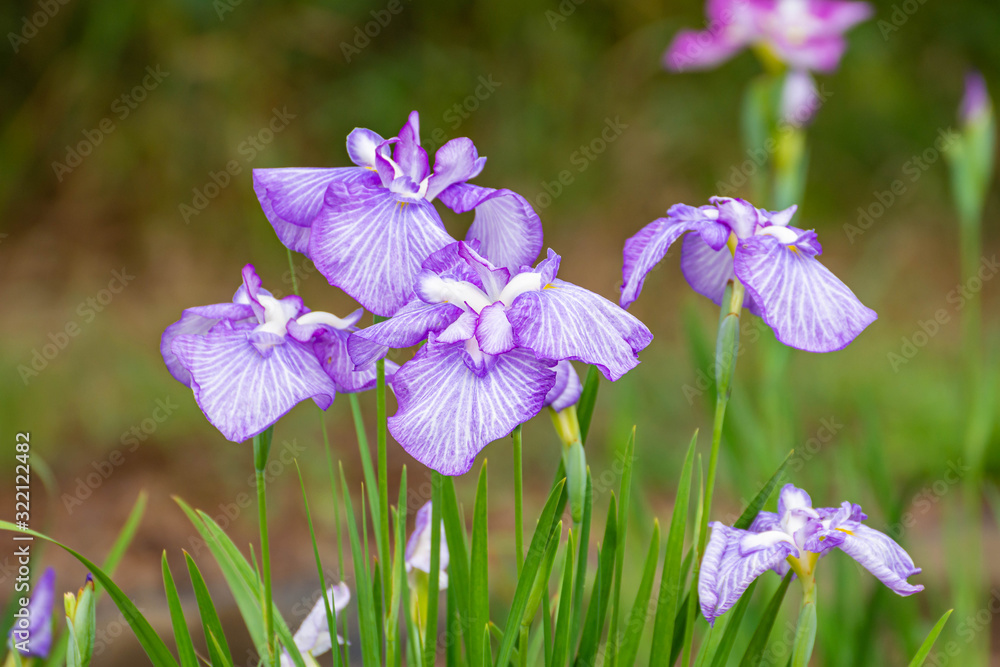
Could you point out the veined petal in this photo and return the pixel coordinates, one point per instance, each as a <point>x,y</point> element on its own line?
<point>807,306</point>
<point>567,389</point>
<point>455,162</point>
<point>645,250</point>
<point>708,271</point>
<point>291,198</point>
<point>331,349</point>
<point>408,153</point>
<point>461,330</point>
<point>563,321</point>
<point>198,321</point>
<point>409,326</point>
<point>792,498</point>
<point>879,554</point>
<point>507,227</point>
<point>493,332</point>
<point>242,392</point>
<point>740,215</point>
<point>448,413</point>
<point>371,245</point>
<point>725,573</point>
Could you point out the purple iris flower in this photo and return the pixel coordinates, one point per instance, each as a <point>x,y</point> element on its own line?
<point>35,636</point>
<point>797,537</point>
<point>807,306</point>
<point>493,338</point>
<point>369,228</point>
<point>251,361</point>
<point>804,34</point>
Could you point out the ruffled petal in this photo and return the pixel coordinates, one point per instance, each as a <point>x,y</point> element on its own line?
<point>725,573</point>
<point>241,392</point>
<point>792,498</point>
<point>371,244</point>
<point>408,153</point>
<point>708,271</point>
<point>807,306</point>
<point>882,556</point>
<point>291,198</point>
<point>564,321</point>
<point>507,227</point>
<point>331,349</point>
<point>198,321</point>
<point>567,389</point>
<point>409,326</point>
<point>455,162</point>
<point>448,413</point>
<point>645,250</point>
<point>493,332</point>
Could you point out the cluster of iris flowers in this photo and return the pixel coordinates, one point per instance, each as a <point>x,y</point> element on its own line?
<point>497,331</point>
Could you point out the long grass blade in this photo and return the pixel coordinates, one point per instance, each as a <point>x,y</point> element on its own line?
<point>182,636</point>
<point>218,650</point>
<point>637,620</point>
<point>928,644</point>
<point>758,642</point>
<point>479,602</point>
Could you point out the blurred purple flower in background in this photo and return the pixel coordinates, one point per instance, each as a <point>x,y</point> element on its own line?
<point>34,633</point>
<point>807,306</point>
<point>493,338</point>
<point>797,537</point>
<point>803,34</point>
<point>250,361</point>
<point>800,99</point>
<point>976,103</point>
<point>368,228</point>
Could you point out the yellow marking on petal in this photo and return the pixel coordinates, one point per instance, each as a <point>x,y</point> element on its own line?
<point>796,251</point>
<point>371,168</point>
<point>403,204</point>
<point>551,286</point>
<point>844,530</point>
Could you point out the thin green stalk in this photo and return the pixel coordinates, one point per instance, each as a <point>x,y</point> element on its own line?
<point>261,449</point>
<point>291,266</point>
<point>518,501</point>
<point>727,349</point>
<point>383,477</point>
<point>333,491</point>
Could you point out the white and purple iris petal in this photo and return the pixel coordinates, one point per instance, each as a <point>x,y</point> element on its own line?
<point>798,534</point>
<point>313,636</point>
<point>251,361</point>
<point>493,340</point>
<point>801,300</point>
<point>805,34</point>
<point>418,548</point>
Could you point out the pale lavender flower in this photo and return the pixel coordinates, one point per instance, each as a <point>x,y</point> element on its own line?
<point>976,102</point>
<point>807,306</point>
<point>797,535</point>
<point>313,636</point>
<point>33,633</point>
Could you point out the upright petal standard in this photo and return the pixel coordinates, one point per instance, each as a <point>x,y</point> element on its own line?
<point>313,636</point>
<point>807,306</point>
<point>250,361</point>
<point>494,339</point>
<point>796,537</point>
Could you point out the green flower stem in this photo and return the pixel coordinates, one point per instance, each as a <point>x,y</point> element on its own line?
<point>261,449</point>
<point>726,352</point>
<point>805,630</point>
<point>518,500</point>
<point>383,477</point>
<point>291,266</point>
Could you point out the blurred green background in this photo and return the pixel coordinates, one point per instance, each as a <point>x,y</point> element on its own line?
<point>162,95</point>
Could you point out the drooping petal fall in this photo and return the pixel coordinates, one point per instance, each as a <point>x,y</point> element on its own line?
<point>564,321</point>
<point>242,392</point>
<point>451,405</point>
<point>807,306</point>
<point>883,557</point>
